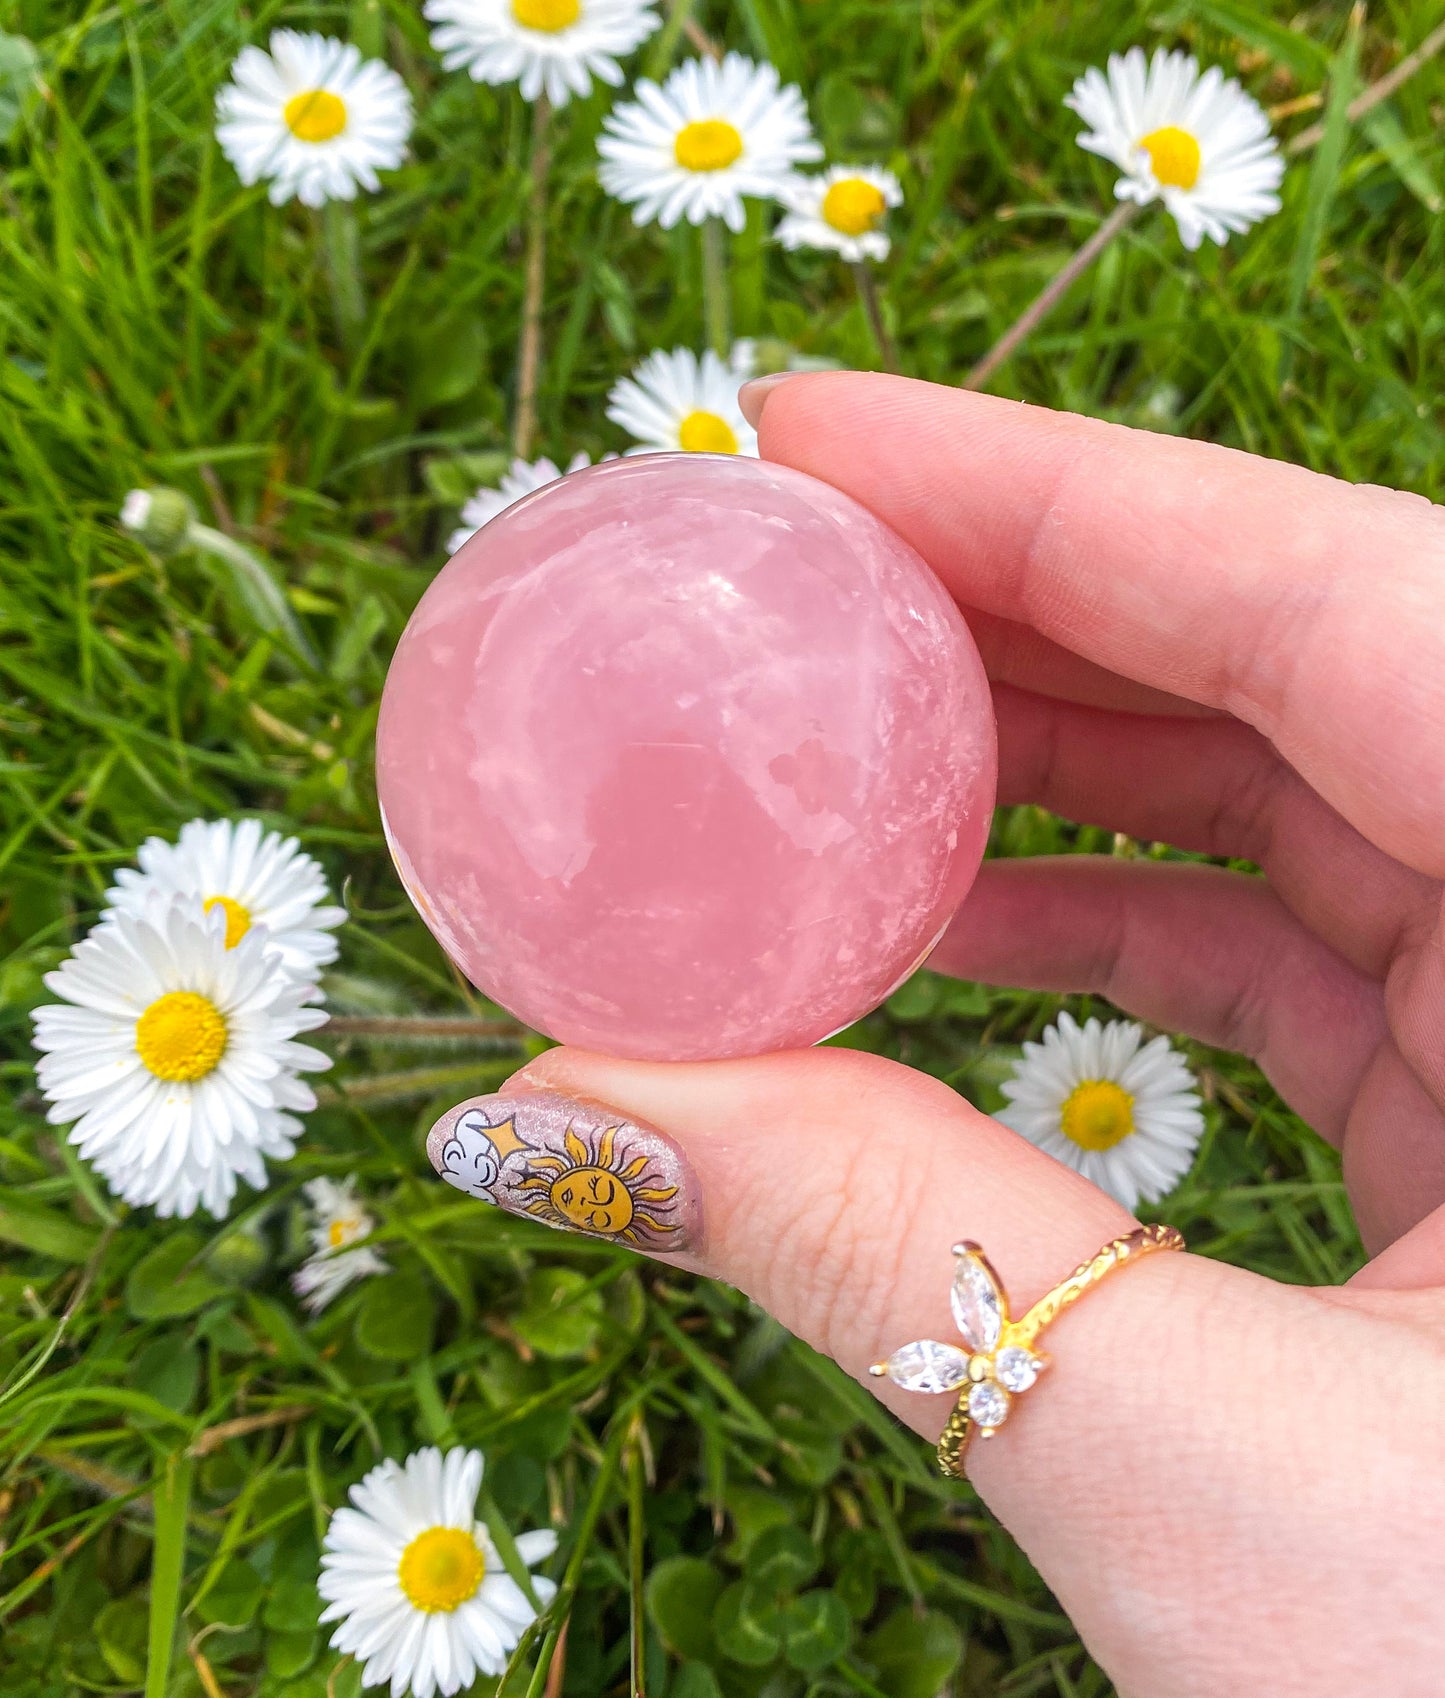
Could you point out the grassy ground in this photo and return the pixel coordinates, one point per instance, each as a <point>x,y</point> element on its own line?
<point>162,325</point>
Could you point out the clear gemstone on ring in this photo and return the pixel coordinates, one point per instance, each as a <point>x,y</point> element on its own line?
<point>988,1403</point>
<point>927,1366</point>
<point>976,1309</point>
<point>1015,1368</point>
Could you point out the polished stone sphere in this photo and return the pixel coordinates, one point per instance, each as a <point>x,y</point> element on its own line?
<point>686,756</point>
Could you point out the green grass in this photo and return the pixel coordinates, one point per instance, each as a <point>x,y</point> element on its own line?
<point>162,325</point>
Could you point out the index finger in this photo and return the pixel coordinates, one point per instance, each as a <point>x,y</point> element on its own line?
<point>1310,608</point>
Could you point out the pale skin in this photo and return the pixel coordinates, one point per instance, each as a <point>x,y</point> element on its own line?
<point>1232,1486</point>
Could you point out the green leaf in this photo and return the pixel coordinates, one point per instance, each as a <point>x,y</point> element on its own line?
<point>782,1559</point>
<point>45,1231</point>
<point>169,1370</point>
<point>815,1631</point>
<point>235,1597</point>
<point>694,1680</point>
<point>856,1559</point>
<point>165,1283</point>
<point>19,61</point>
<point>293,1605</point>
<point>810,1457</point>
<point>915,1655</point>
<point>739,1633</point>
<point>562,1317</point>
<point>752,1511</point>
<point>915,999</point>
<point>396,1318</point>
<point>682,1593</point>
<point>448,359</point>
<point>120,1634</point>
<point>357,638</point>
<point>289,1654</point>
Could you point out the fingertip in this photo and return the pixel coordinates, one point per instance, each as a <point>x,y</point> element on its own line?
<point>753,395</point>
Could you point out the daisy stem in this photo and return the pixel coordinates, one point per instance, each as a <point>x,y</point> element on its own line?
<point>341,246</point>
<point>1378,91</point>
<point>1381,89</point>
<point>1049,296</point>
<point>256,589</point>
<point>715,287</point>
<point>529,348</point>
<point>873,308</point>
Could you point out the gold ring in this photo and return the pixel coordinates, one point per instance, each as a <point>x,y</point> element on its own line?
<point>1000,1361</point>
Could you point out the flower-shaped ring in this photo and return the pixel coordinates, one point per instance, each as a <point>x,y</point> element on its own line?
<point>999,1361</point>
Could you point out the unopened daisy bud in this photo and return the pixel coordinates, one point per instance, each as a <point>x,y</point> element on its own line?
<point>763,355</point>
<point>239,1256</point>
<point>160,518</point>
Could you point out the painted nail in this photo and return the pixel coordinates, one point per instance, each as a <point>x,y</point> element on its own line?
<point>574,1165</point>
<point>755,392</point>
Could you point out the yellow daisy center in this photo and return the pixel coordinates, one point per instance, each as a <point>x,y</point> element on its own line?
<point>342,1231</point>
<point>1173,156</point>
<point>711,144</point>
<point>706,433</point>
<point>181,1036</point>
<point>853,206</point>
<point>238,919</point>
<point>441,1569</point>
<point>546,15</point>
<point>316,115</point>
<point>1098,1114</point>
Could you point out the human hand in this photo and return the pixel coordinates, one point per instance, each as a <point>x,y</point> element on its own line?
<point>1227,1483</point>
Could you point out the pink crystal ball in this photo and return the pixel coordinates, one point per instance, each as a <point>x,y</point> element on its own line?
<point>686,756</point>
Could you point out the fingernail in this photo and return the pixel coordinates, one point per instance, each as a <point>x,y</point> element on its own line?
<point>754,394</point>
<point>573,1165</point>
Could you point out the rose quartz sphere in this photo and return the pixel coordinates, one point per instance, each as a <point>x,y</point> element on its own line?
<point>686,756</point>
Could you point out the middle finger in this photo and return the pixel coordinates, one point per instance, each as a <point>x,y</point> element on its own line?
<point>1215,787</point>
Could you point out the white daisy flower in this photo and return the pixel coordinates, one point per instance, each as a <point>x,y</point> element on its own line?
<point>681,400</point>
<point>312,116</point>
<point>1198,143</point>
<point>1127,1118</point>
<point>842,209</point>
<point>256,878</point>
<point>416,1582</point>
<point>694,146</point>
<point>551,47</point>
<point>174,1056</point>
<point>521,480</point>
<point>338,1258</point>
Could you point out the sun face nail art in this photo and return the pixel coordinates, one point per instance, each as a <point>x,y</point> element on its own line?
<point>573,1165</point>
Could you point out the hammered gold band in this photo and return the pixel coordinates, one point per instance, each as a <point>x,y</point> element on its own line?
<point>998,1362</point>
<point>953,1444</point>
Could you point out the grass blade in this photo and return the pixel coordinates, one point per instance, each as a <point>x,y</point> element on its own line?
<point>172,1498</point>
<point>1325,167</point>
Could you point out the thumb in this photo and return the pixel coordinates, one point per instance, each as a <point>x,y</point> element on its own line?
<point>1189,1417</point>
